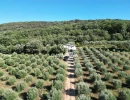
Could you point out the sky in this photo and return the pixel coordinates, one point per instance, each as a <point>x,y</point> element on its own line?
<point>62,10</point>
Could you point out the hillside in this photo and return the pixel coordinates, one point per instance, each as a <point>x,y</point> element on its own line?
<point>19,36</point>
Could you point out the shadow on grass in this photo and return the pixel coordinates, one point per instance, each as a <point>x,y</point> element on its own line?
<point>71,92</point>
<point>23,96</point>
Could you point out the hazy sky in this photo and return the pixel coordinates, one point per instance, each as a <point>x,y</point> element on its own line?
<point>60,10</point>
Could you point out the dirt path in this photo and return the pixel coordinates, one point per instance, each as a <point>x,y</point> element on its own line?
<point>69,93</point>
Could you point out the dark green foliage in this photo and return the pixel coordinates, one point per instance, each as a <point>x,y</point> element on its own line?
<point>124,94</point>
<point>33,65</point>
<point>20,86</point>
<point>32,93</point>
<point>107,95</point>
<point>128,80</point>
<point>61,71</point>
<point>99,86</point>
<point>126,67</point>
<point>39,83</point>
<point>122,74</point>
<point>10,62</point>
<point>50,70</point>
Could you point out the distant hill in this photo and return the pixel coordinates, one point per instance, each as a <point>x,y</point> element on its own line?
<point>55,33</point>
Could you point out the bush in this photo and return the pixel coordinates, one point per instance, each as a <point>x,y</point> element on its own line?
<point>9,62</point>
<point>32,93</point>
<point>126,67</point>
<point>28,78</point>
<point>39,61</point>
<point>20,86</point>
<point>28,69</point>
<point>1,73</point>
<point>122,74</point>
<point>91,71</point>
<point>45,75</point>
<point>117,83</point>
<point>28,63</point>
<point>55,94</point>
<point>33,65</point>
<point>103,69</point>
<point>62,66</point>
<point>37,72</point>
<point>99,86</point>
<point>22,66</point>
<point>58,84</point>
<point>108,76</point>
<point>84,97</point>
<point>61,71</point>
<point>50,70</point>
<point>11,81</point>
<point>60,77</point>
<point>39,83</point>
<point>124,94</point>
<point>21,74</point>
<point>83,88</point>
<point>4,78</point>
<point>78,72</point>
<point>95,77</point>
<point>107,95</point>
<point>33,59</point>
<point>9,95</point>
<point>2,62</point>
<point>128,81</point>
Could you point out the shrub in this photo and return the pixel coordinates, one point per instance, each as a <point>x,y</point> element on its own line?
<point>39,61</point>
<point>128,81</point>
<point>84,97</point>
<point>33,65</point>
<point>9,95</point>
<point>58,84</point>
<point>32,93</point>
<point>95,77</point>
<point>88,65</point>
<point>55,94</point>
<point>108,76</point>
<point>33,59</point>
<point>45,63</point>
<point>28,78</point>
<point>78,72</point>
<point>4,78</point>
<point>61,71</point>
<point>1,73</point>
<point>122,74</point>
<point>22,66</point>
<point>107,95</point>
<point>11,81</point>
<point>83,88</point>
<point>39,83</point>
<point>103,69</point>
<point>91,71</point>
<point>28,69</point>
<point>41,67</point>
<point>21,74</point>
<point>28,63</point>
<point>45,75</point>
<point>99,86</point>
<point>126,67</point>
<point>124,94</point>
<point>20,86</point>
<point>50,70</point>
<point>60,77</point>
<point>117,83</point>
<point>62,66</point>
<point>9,62</point>
<point>22,61</point>
<point>37,72</point>
<point>2,62</point>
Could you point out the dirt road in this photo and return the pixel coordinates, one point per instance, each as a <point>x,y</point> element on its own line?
<point>69,93</point>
